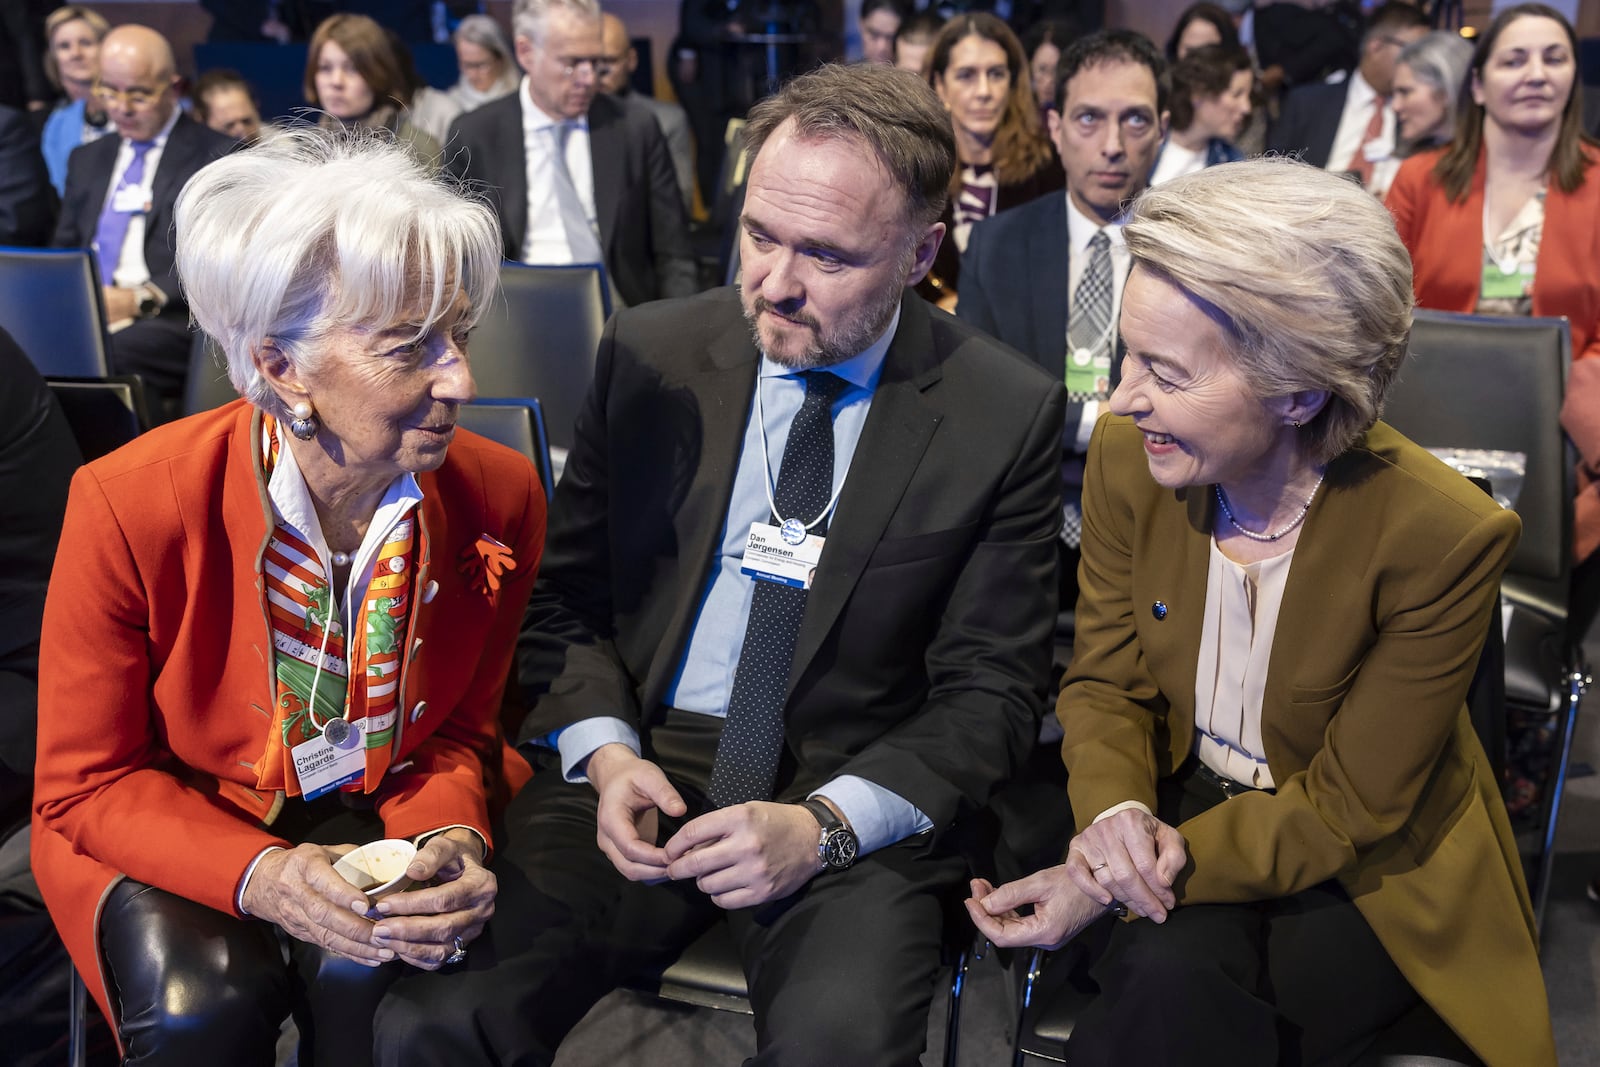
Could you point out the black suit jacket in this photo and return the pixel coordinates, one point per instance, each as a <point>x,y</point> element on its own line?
<point>27,201</point>
<point>924,651</point>
<point>1309,121</point>
<point>644,233</point>
<point>189,147</point>
<point>1308,43</point>
<point>1014,287</point>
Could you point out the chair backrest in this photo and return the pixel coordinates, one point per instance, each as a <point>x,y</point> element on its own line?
<point>104,414</point>
<point>1475,381</point>
<point>207,385</point>
<point>517,424</point>
<point>540,340</point>
<point>50,303</point>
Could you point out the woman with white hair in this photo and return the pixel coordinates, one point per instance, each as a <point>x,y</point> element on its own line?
<point>488,65</point>
<point>210,739</point>
<point>1282,603</point>
<point>1427,78</point>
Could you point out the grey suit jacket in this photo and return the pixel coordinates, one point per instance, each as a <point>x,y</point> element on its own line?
<point>674,123</point>
<point>644,233</point>
<point>924,648</point>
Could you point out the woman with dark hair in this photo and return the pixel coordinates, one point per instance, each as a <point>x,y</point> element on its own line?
<point>978,68</point>
<point>1201,25</point>
<point>356,76</point>
<point>1210,105</point>
<point>1043,44</point>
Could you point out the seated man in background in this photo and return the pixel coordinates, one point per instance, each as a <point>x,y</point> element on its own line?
<point>916,36</point>
<point>793,626</point>
<point>224,101</point>
<point>119,200</point>
<point>1047,277</point>
<point>573,176</point>
<point>27,203</point>
<point>623,59</point>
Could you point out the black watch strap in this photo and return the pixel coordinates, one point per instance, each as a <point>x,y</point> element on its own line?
<point>836,845</point>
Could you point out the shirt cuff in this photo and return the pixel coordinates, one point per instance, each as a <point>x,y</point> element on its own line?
<point>579,741</point>
<point>878,816</point>
<point>1086,420</point>
<point>244,883</point>
<point>1124,806</point>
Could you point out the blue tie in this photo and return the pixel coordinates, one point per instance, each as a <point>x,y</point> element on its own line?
<point>752,737</point>
<point>112,231</point>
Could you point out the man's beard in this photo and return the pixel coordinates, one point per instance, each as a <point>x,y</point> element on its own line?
<point>848,338</point>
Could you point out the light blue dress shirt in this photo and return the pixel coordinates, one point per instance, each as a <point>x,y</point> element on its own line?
<point>704,681</point>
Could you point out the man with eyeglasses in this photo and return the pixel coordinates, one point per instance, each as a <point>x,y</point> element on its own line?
<point>1348,127</point>
<point>574,176</point>
<point>119,197</point>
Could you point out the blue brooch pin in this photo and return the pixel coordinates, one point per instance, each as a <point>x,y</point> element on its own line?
<point>1159,610</point>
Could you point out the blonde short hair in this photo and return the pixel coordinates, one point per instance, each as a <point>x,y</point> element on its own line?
<point>59,18</point>
<point>316,230</point>
<point>1305,274</point>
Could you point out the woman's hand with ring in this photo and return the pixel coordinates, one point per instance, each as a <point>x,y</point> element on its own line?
<point>425,926</point>
<point>1131,857</point>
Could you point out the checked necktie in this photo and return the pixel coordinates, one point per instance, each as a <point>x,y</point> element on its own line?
<point>752,737</point>
<point>112,229</point>
<point>1088,338</point>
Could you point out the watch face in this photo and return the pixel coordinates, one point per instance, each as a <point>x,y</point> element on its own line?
<point>840,850</point>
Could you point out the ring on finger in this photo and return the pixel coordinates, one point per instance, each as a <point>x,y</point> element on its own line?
<point>1098,867</point>
<point>458,955</point>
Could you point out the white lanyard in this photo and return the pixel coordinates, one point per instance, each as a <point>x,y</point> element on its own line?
<point>766,469</point>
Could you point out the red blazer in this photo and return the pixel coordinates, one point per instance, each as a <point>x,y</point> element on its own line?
<point>155,671</point>
<point>1446,245</point>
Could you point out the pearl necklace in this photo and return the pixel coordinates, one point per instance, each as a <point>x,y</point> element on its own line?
<point>1222,499</point>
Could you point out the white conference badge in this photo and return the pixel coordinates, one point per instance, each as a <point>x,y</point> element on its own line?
<point>322,765</point>
<point>786,555</point>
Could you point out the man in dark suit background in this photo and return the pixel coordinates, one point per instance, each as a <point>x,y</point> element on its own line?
<point>728,725</point>
<point>1028,265</point>
<point>529,152</point>
<point>27,202</point>
<point>1348,125</point>
<point>119,198</point>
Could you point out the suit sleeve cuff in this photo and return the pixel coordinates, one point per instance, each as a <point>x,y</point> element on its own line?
<point>423,838</point>
<point>878,816</point>
<point>579,741</point>
<point>1137,805</point>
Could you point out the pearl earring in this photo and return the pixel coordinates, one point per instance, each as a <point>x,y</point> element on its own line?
<point>304,426</point>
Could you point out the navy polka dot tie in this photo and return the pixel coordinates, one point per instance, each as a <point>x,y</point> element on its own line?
<point>752,737</point>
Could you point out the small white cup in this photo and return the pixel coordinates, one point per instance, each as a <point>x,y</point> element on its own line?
<point>379,868</point>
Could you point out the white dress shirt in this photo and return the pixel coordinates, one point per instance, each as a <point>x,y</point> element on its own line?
<point>1352,130</point>
<point>132,271</point>
<point>546,239</point>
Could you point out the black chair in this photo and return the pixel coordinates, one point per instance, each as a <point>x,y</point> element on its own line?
<point>105,413</point>
<point>541,340</point>
<point>708,974</point>
<point>517,424</point>
<point>50,302</point>
<point>1473,381</point>
<point>206,386</point>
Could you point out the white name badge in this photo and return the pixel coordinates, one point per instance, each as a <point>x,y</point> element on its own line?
<point>322,767</point>
<point>769,557</point>
<point>130,201</point>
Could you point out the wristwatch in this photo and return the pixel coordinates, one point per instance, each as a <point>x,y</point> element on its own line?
<point>836,848</point>
<point>150,301</point>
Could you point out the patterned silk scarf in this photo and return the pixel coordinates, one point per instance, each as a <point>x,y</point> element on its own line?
<point>301,608</point>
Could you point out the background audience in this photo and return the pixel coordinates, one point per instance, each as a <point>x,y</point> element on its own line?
<point>1210,104</point>
<point>1201,25</point>
<point>72,62</point>
<point>224,101</point>
<point>915,40</point>
<point>981,75</point>
<point>488,66</point>
<point>1043,45</point>
<point>1427,81</point>
<point>622,60</point>
<point>880,22</point>
<point>355,76</point>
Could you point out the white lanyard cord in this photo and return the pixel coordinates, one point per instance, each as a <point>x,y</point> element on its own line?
<point>766,465</point>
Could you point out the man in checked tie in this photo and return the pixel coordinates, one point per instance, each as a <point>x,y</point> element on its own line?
<point>1047,277</point>
<point>716,741</point>
<point>118,202</point>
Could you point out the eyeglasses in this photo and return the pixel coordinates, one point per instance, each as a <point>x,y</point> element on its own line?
<point>570,65</point>
<point>137,97</point>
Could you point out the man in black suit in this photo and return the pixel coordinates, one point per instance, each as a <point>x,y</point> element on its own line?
<point>628,208</point>
<point>1028,265</point>
<point>1348,126</point>
<point>737,716</point>
<point>119,198</point>
<point>27,202</point>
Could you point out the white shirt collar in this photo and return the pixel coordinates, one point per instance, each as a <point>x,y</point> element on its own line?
<point>1361,93</point>
<point>535,118</point>
<point>1081,229</point>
